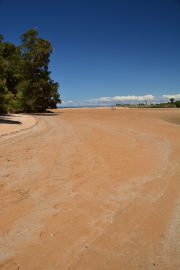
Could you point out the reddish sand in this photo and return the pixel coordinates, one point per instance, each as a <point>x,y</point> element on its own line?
<point>13,123</point>
<point>88,189</point>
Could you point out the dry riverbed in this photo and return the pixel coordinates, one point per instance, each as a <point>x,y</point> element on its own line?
<point>91,189</point>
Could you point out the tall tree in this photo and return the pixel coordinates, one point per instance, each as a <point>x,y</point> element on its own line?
<point>38,91</point>
<point>3,87</point>
<point>25,82</point>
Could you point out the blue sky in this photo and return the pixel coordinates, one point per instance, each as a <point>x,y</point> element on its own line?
<point>104,48</point>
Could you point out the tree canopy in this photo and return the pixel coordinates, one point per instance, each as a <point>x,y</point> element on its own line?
<point>25,81</point>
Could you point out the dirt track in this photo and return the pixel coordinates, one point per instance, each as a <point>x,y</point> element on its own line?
<point>92,189</point>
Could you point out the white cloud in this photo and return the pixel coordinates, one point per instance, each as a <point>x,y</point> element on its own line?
<point>101,99</point>
<point>67,102</point>
<point>123,98</point>
<point>176,96</point>
<point>133,98</point>
<point>104,101</point>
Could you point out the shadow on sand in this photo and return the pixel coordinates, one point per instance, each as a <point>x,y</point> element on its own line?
<point>4,119</point>
<point>47,113</point>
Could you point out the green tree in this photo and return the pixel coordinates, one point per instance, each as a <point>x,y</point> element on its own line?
<point>40,92</point>
<point>177,103</point>
<point>172,100</point>
<point>3,88</point>
<point>25,82</point>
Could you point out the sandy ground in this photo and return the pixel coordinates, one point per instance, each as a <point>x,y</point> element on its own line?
<point>13,123</point>
<point>92,189</point>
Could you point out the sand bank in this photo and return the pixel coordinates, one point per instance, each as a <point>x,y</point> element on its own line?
<point>92,189</point>
<point>14,123</point>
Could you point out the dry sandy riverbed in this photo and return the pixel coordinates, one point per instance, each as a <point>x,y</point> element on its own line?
<point>92,189</point>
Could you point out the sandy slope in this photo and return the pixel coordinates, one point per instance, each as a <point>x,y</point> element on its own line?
<point>92,189</point>
<point>13,123</point>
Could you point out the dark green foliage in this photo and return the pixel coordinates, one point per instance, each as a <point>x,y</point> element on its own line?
<point>177,103</point>
<point>174,104</point>
<point>172,100</point>
<point>25,82</point>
